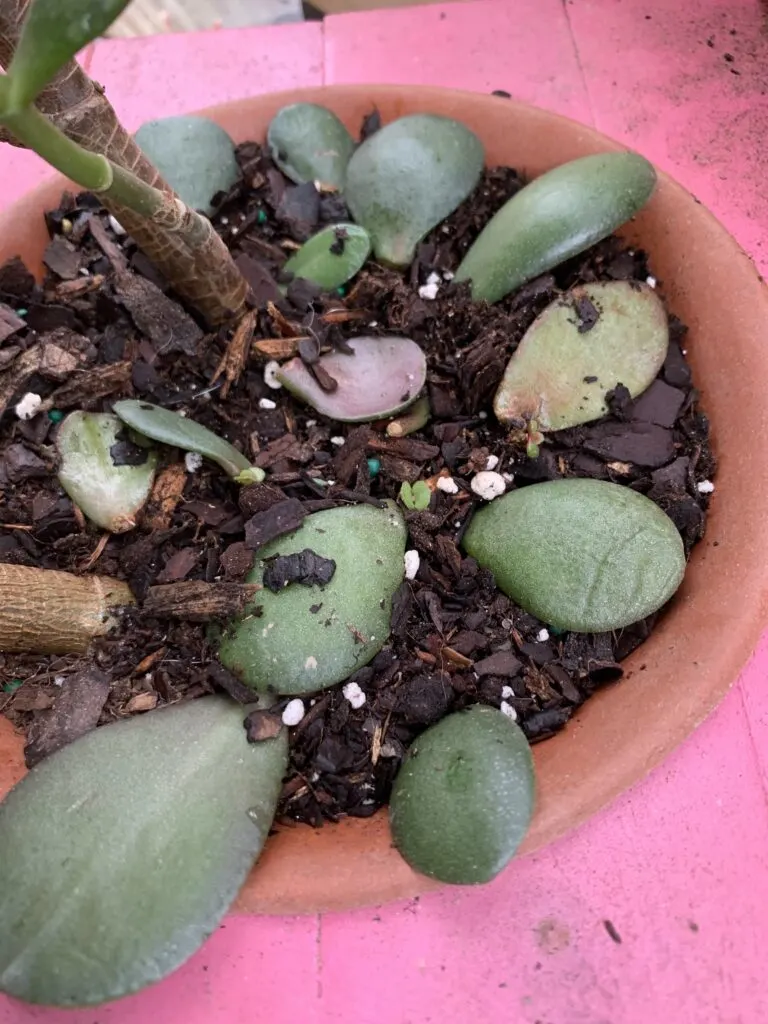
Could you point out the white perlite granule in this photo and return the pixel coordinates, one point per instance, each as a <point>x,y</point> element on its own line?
<point>488,485</point>
<point>447,484</point>
<point>267,403</point>
<point>293,712</point>
<point>412,563</point>
<point>354,695</point>
<point>269,375</point>
<point>193,462</point>
<point>27,407</point>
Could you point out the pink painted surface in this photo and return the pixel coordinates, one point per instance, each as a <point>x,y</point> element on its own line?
<point>679,866</point>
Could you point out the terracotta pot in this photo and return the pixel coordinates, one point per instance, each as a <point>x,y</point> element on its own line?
<point>697,651</point>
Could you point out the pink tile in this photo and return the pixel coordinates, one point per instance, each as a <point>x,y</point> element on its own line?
<point>250,970</point>
<point>171,74</point>
<point>659,77</point>
<point>524,47</point>
<point>678,867</point>
<point>22,170</point>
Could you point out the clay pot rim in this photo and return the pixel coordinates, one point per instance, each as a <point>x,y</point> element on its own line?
<point>353,863</point>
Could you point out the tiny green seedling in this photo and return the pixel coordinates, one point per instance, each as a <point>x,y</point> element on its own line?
<point>415,497</point>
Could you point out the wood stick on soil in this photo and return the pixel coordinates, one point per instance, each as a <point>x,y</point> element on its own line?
<point>183,245</point>
<point>43,611</point>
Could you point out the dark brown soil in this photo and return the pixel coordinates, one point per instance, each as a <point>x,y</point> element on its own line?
<point>90,335</point>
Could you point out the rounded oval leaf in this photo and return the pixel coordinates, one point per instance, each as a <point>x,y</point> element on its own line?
<point>584,343</point>
<point>579,554</point>
<point>384,376</point>
<point>555,217</point>
<point>405,179</point>
<point>172,428</point>
<point>308,637</point>
<point>309,143</point>
<point>464,796</point>
<point>95,474</point>
<point>331,257</point>
<point>123,851</point>
<point>194,155</point>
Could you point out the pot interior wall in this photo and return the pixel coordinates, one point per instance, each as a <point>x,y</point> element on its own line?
<point>679,675</point>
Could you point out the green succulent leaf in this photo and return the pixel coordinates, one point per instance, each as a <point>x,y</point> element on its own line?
<point>463,799</point>
<point>194,155</point>
<point>579,554</point>
<point>52,34</point>
<point>122,851</point>
<point>172,428</point>
<point>405,179</point>
<point>384,376</point>
<point>309,143</point>
<point>564,366</point>
<point>331,257</point>
<point>555,217</point>
<point>310,637</point>
<point>109,495</point>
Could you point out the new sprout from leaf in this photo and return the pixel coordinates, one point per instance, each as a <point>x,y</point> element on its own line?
<point>415,497</point>
<point>172,428</point>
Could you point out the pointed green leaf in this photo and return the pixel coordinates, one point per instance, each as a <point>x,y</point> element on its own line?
<point>405,179</point>
<point>122,851</point>
<point>308,637</point>
<point>110,495</point>
<point>555,217</point>
<point>53,33</point>
<point>172,428</point>
<point>194,155</point>
<point>579,554</point>
<point>309,143</point>
<point>464,797</point>
<point>331,257</point>
<point>563,367</point>
<point>383,376</point>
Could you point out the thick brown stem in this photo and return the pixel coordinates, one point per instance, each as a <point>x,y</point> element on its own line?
<point>181,243</point>
<point>49,612</point>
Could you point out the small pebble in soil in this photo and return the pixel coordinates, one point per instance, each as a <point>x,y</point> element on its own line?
<point>542,636</point>
<point>488,485</point>
<point>448,485</point>
<point>193,462</point>
<point>267,403</point>
<point>354,695</point>
<point>293,712</point>
<point>28,406</point>
<point>508,710</point>
<point>374,467</point>
<point>431,288</point>
<point>650,281</point>
<point>705,487</point>
<point>492,462</point>
<point>338,441</point>
<point>269,375</point>
<point>412,562</point>
<point>55,415</point>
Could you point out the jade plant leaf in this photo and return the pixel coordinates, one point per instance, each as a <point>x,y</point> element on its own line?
<point>52,33</point>
<point>405,179</point>
<point>194,155</point>
<point>331,257</point>
<point>122,851</point>
<point>568,360</point>
<point>555,217</point>
<point>310,637</point>
<point>309,143</point>
<point>384,376</point>
<point>172,428</point>
<point>579,554</point>
<point>109,494</point>
<point>464,797</point>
